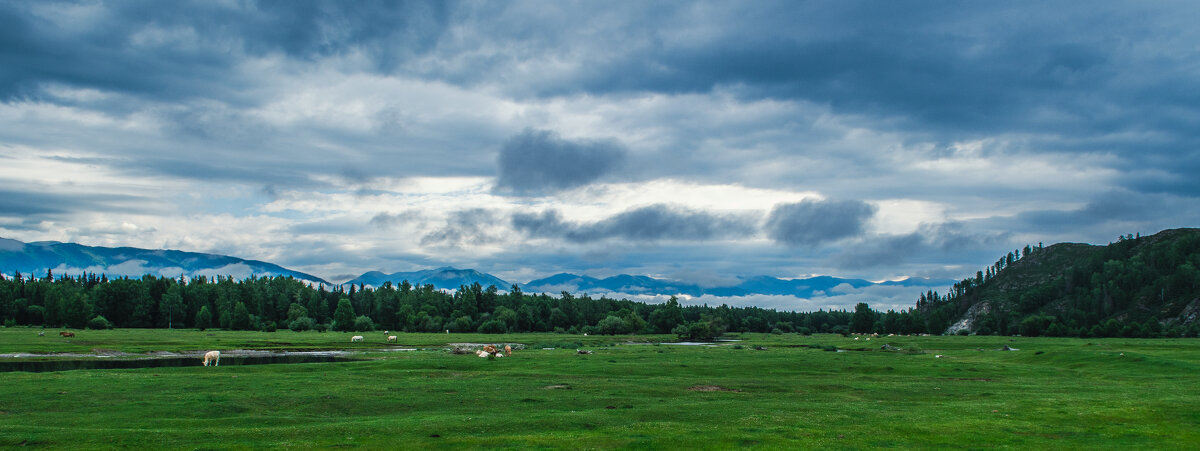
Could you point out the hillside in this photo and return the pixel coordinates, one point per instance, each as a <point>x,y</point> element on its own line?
<point>1137,286</point>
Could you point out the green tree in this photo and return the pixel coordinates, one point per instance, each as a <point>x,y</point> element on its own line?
<point>203,318</point>
<point>171,305</point>
<point>241,318</point>
<point>343,316</point>
<point>863,318</point>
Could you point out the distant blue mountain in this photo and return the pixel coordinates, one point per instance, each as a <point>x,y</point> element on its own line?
<point>445,278</point>
<point>623,283</point>
<point>38,257</point>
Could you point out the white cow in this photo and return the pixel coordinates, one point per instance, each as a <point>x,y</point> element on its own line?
<point>392,339</point>
<point>212,356</point>
<point>356,338</point>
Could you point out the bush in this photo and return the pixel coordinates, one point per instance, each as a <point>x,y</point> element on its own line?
<point>776,331</point>
<point>98,323</point>
<point>964,332</point>
<point>363,324</point>
<point>268,326</point>
<point>804,331</point>
<point>559,330</point>
<point>492,327</point>
<point>611,325</point>
<point>589,330</point>
<point>10,322</point>
<point>302,324</point>
<point>321,327</point>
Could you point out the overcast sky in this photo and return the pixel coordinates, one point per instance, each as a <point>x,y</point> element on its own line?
<point>691,140</point>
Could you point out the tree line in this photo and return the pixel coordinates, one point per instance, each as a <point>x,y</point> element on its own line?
<point>270,303</point>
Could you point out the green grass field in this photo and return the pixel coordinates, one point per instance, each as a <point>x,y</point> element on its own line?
<point>1051,394</point>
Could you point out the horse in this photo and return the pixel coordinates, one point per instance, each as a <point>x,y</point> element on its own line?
<point>67,334</point>
<point>212,356</point>
<point>356,338</point>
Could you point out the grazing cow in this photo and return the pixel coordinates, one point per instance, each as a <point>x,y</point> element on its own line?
<point>212,356</point>
<point>393,339</point>
<point>356,338</point>
<point>67,334</point>
<point>508,350</point>
<point>489,349</point>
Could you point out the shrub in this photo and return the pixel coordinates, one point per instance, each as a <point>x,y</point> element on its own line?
<point>321,327</point>
<point>98,323</point>
<point>776,331</point>
<point>589,330</point>
<point>363,324</point>
<point>611,325</point>
<point>493,326</point>
<point>302,324</point>
<point>964,332</point>
<point>10,322</point>
<point>804,331</point>
<point>268,326</point>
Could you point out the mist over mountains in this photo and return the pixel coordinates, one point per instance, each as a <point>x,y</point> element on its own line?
<point>69,258</point>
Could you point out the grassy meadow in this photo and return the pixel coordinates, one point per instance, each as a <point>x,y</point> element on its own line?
<point>1054,393</point>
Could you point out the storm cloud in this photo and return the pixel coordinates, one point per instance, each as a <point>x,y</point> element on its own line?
<point>649,223</point>
<point>540,161</point>
<point>814,222</point>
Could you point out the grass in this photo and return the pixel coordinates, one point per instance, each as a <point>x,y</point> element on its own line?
<point>792,394</point>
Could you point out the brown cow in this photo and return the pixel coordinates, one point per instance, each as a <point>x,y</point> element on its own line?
<point>67,334</point>
<point>508,350</point>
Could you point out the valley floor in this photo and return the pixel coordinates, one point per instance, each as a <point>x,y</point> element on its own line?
<point>794,392</point>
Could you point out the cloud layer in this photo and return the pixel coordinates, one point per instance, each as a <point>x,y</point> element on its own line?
<point>855,139</point>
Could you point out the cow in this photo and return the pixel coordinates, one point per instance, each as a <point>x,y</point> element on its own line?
<point>212,356</point>
<point>67,334</point>
<point>356,338</point>
<point>393,339</point>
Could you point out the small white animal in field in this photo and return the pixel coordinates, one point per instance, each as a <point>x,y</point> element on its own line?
<point>393,339</point>
<point>212,356</point>
<point>856,338</point>
<point>356,338</point>
<point>499,355</point>
<point>938,356</point>
<point>483,354</point>
<point>868,338</point>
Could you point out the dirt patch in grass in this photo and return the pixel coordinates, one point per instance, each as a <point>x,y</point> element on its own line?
<point>711,388</point>
<point>976,379</point>
<point>557,387</point>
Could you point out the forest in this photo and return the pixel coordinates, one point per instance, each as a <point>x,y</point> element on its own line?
<point>271,303</point>
<point>1135,287</point>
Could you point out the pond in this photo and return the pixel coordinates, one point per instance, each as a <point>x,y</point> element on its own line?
<point>19,362</point>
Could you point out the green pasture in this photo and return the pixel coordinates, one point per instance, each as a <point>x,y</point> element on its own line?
<point>1053,393</point>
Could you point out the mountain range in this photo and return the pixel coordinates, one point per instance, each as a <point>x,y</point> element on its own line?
<point>70,258</point>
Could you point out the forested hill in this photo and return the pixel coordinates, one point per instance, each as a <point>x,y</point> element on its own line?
<point>1136,286</point>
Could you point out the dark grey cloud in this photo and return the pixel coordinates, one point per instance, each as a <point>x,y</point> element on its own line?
<point>24,204</point>
<point>649,223</point>
<point>539,161</point>
<point>465,228</point>
<point>813,222</point>
<point>115,47</point>
<point>1115,206</point>
<point>931,243</point>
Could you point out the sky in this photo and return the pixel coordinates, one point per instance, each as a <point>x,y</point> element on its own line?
<point>698,141</point>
